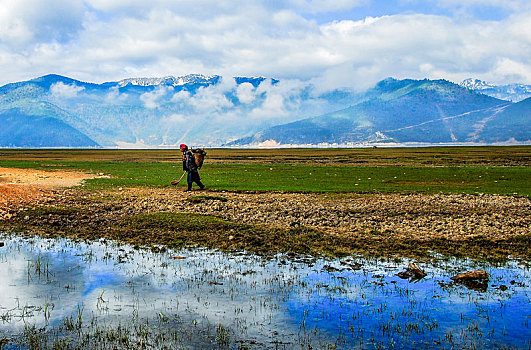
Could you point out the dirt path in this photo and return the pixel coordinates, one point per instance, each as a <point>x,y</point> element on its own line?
<point>27,187</point>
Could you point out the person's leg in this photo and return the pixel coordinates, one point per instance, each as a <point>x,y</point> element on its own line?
<point>189,180</point>
<point>197,179</point>
<point>200,184</point>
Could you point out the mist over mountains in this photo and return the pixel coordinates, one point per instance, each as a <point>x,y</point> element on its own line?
<point>57,111</point>
<point>409,111</point>
<point>156,112</point>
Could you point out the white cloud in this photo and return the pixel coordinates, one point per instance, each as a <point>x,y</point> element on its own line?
<point>61,90</point>
<point>273,107</point>
<point>281,100</point>
<point>245,93</point>
<point>512,70</point>
<point>209,100</point>
<point>100,41</point>
<point>508,4</point>
<point>115,96</point>
<point>318,6</point>
<point>212,99</point>
<point>24,22</point>
<point>151,99</point>
<point>181,96</point>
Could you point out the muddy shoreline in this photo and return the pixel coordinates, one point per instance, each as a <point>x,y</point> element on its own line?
<point>487,227</point>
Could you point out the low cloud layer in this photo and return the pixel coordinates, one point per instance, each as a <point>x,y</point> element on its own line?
<point>225,110</point>
<point>96,40</point>
<point>61,90</point>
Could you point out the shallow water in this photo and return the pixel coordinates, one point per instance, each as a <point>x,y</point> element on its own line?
<point>211,299</point>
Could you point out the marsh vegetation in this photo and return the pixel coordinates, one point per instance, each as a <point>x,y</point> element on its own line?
<point>66,294</point>
<point>287,249</point>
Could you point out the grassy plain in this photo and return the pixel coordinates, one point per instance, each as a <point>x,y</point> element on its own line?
<point>499,170</point>
<point>406,201</point>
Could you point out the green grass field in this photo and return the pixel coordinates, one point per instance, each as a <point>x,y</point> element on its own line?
<point>390,170</point>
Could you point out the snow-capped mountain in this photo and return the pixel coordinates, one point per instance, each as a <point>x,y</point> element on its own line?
<point>476,84</point>
<point>57,111</point>
<point>171,80</point>
<point>511,92</point>
<point>152,112</point>
<point>408,111</point>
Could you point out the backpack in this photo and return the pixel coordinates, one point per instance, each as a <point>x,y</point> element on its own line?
<point>199,155</point>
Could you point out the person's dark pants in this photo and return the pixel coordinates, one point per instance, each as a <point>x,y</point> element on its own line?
<point>193,176</point>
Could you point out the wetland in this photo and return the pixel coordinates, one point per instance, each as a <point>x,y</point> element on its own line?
<point>63,293</point>
<point>286,249</point>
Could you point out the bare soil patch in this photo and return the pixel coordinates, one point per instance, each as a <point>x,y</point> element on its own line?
<point>30,187</point>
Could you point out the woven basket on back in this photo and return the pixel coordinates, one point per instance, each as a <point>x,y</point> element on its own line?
<point>199,155</point>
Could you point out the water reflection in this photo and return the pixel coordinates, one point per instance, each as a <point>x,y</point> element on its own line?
<point>243,300</point>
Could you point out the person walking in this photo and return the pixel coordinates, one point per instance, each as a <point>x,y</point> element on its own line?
<point>190,166</point>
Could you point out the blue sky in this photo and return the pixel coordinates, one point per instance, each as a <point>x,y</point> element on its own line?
<point>342,43</point>
<point>478,11</point>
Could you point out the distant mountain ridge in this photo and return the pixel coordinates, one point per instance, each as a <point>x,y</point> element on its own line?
<point>171,80</point>
<point>157,112</point>
<point>58,111</point>
<point>409,111</point>
<point>511,92</point>
<point>22,130</point>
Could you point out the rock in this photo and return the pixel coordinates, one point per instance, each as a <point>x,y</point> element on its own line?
<point>417,270</point>
<point>476,280</point>
<point>2,244</point>
<point>471,275</point>
<point>413,271</point>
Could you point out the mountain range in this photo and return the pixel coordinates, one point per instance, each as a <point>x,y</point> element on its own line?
<point>409,111</point>
<point>152,112</point>
<point>57,111</point>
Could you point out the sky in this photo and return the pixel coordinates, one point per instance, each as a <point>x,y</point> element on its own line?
<point>331,44</point>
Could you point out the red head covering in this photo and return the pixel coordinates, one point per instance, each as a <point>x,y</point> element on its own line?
<point>183,147</point>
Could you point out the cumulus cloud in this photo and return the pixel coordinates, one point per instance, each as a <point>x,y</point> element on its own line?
<point>272,107</point>
<point>211,114</point>
<point>61,90</point>
<point>26,22</point>
<point>508,4</point>
<point>318,6</point>
<point>176,118</point>
<point>245,93</point>
<point>209,100</point>
<point>96,40</point>
<point>151,99</point>
<point>115,96</point>
<point>181,96</point>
